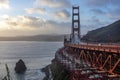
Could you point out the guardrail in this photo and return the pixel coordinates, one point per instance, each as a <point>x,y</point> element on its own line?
<point>97,47</point>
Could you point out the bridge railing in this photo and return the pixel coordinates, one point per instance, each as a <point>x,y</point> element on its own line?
<point>103,47</point>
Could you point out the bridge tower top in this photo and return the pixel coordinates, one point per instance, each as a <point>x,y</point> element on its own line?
<point>75,34</point>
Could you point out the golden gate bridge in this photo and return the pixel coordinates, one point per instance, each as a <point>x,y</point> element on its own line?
<point>87,61</point>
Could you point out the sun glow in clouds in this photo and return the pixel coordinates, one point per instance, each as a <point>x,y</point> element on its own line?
<point>4,4</point>
<point>18,17</point>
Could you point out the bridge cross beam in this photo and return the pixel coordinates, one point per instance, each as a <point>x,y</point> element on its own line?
<point>108,60</point>
<point>116,64</point>
<point>98,62</point>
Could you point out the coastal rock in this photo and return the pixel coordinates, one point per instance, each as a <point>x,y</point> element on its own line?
<point>20,66</point>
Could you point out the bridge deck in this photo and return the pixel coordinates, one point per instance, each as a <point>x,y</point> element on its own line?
<point>82,69</point>
<point>97,47</point>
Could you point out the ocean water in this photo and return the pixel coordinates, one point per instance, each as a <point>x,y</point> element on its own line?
<point>36,55</point>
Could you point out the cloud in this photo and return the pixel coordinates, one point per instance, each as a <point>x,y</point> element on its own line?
<point>35,10</point>
<point>97,2</point>
<point>26,25</point>
<point>21,22</point>
<point>115,2</point>
<point>92,23</point>
<point>91,20</point>
<point>51,9</point>
<point>107,8</point>
<point>53,3</point>
<point>63,14</point>
<point>97,23</point>
<point>98,11</point>
<point>114,11</point>
<point>4,4</point>
<point>114,14</point>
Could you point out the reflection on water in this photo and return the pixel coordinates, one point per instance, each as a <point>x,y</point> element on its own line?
<point>36,55</point>
<point>34,74</point>
<point>20,76</point>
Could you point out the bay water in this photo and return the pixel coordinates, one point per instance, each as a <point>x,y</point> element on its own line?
<point>36,55</point>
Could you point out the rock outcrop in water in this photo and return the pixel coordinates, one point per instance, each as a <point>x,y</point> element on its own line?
<point>20,66</point>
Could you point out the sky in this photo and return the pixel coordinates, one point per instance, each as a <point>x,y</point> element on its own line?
<point>38,17</point>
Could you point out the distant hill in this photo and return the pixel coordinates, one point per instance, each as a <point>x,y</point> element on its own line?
<point>110,33</point>
<point>34,38</point>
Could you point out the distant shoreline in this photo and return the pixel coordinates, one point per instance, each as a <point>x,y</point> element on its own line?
<point>50,38</point>
<point>29,40</point>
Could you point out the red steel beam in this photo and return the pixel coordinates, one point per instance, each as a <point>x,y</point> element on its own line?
<point>106,48</point>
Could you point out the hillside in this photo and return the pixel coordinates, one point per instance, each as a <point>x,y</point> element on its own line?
<point>110,33</point>
<point>34,38</point>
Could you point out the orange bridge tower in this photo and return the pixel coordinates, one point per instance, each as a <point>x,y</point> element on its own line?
<point>75,34</point>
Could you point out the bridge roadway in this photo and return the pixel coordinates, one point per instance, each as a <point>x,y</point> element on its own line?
<point>80,69</point>
<point>98,47</point>
<point>103,57</point>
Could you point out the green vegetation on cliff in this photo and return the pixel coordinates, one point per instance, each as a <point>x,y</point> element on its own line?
<point>110,33</point>
<point>58,72</point>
